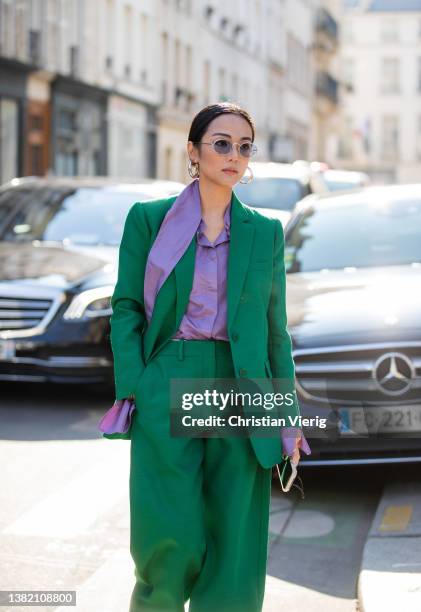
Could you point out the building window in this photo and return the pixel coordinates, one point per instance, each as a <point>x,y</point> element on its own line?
<point>390,75</point>
<point>164,47</point>
<point>418,144</point>
<point>297,134</point>
<point>67,155</point>
<point>389,32</point>
<point>347,32</point>
<point>348,74</point>
<point>8,139</point>
<point>234,87</point>
<point>168,164</point>
<point>110,33</point>
<point>177,73</point>
<point>222,91</point>
<point>35,123</point>
<point>128,51</point>
<point>206,82</point>
<point>77,137</point>
<point>297,64</point>
<point>390,137</point>
<point>21,25</point>
<point>183,5</point>
<point>36,160</point>
<point>345,139</point>
<point>188,74</point>
<point>144,39</point>
<point>419,75</point>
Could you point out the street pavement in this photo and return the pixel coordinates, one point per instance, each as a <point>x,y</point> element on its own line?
<point>64,518</point>
<point>390,576</point>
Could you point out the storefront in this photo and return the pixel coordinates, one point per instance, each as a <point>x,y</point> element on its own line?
<point>79,131</point>
<point>132,133</point>
<point>12,106</point>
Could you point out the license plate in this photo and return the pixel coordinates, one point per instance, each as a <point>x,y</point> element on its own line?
<point>380,419</point>
<point>7,350</point>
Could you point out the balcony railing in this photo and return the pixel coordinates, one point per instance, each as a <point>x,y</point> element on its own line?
<point>327,86</point>
<point>327,24</point>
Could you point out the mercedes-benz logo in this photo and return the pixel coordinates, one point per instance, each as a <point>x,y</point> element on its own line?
<point>393,373</point>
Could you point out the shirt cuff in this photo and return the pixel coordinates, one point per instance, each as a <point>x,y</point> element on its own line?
<point>129,398</point>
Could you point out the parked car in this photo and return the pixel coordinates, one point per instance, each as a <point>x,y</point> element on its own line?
<point>59,240</point>
<point>353,266</point>
<point>342,180</point>
<point>276,188</point>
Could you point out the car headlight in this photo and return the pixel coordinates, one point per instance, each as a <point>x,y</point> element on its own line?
<point>90,303</point>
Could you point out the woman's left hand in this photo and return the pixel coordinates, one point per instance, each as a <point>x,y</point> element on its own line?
<point>293,441</point>
<point>295,457</point>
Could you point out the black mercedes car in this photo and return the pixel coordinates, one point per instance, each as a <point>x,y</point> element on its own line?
<point>59,240</point>
<point>353,266</point>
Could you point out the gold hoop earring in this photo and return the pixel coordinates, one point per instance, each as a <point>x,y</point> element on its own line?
<point>249,178</point>
<point>190,169</point>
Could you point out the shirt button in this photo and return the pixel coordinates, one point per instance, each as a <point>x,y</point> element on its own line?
<point>234,336</point>
<point>242,372</point>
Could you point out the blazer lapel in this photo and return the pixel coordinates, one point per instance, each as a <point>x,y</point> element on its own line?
<point>184,273</point>
<point>241,241</point>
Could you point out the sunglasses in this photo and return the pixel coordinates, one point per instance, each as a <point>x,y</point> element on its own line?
<point>224,147</point>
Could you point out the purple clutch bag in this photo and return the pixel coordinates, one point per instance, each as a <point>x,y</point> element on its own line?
<point>118,418</point>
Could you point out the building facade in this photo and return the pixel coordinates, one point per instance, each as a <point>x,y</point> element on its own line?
<point>326,84</point>
<point>111,86</point>
<point>380,66</point>
<point>78,91</point>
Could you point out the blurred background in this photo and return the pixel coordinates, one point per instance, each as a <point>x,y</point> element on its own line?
<point>109,87</point>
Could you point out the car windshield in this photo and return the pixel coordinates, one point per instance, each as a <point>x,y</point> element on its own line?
<point>268,192</point>
<point>333,185</point>
<point>366,234</point>
<point>83,216</point>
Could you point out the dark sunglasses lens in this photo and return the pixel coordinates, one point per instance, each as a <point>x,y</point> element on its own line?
<point>222,146</point>
<point>246,149</point>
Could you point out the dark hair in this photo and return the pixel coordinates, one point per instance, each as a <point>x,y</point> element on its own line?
<point>210,112</point>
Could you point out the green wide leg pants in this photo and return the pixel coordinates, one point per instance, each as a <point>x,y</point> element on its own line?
<point>199,507</point>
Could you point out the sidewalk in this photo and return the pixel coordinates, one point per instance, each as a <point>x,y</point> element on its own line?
<point>390,575</point>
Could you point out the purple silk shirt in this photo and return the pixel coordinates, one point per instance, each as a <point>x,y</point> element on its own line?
<point>206,312</point>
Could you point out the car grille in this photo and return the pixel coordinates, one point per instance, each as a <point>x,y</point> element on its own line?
<point>358,375</point>
<point>18,313</point>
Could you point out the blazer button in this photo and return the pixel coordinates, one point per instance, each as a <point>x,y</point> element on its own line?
<point>243,372</point>
<point>234,336</point>
<point>243,298</point>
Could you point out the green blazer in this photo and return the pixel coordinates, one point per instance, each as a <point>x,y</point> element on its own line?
<point>256,305</point>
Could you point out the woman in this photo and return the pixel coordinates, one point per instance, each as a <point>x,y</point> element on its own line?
<point>201,295</point>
